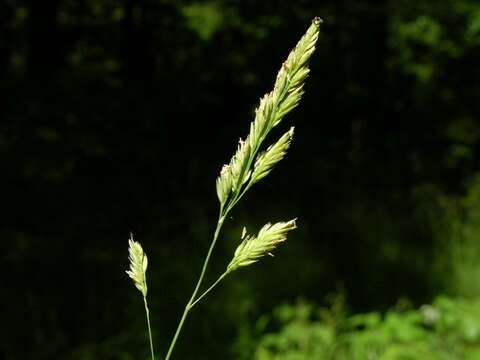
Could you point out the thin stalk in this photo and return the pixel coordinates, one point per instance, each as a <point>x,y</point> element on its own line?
<point>197,287</point>
<point>149,328</point>
<point>239,196</point>
<point>209,289</point>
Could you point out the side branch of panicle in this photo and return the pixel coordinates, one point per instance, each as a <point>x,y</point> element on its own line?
<point>252,248</point>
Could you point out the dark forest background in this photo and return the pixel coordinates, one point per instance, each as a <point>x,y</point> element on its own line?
<point>117,116</point>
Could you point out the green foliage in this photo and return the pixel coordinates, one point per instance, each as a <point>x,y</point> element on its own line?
<point>447,329</point>
<point>423,41</point>
<point>461,246</point>
<point>204,18</point>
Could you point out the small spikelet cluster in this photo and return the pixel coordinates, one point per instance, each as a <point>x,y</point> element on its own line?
<point>260,127</point>
<point>138,265</point>
<point>252,248</point>
<point>291,77</point>
<point>273,106</point>
<point>224,184</point>
<point>236,173</point>
<point>266,161</point>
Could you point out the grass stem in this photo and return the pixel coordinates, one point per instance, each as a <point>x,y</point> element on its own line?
<point>149,328</point>
<point>209,289</point>
<point>197,287</point>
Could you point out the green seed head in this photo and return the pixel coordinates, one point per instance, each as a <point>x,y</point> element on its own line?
<point>284,97</point>
<point>138,265</point>
<point>252,248</point>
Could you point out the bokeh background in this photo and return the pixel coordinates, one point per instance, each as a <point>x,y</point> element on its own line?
<point>117,116</point>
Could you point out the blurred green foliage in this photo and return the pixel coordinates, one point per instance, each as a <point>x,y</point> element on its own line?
<point>447,329</point>
<point>460,247</point>
<point>204,18</point>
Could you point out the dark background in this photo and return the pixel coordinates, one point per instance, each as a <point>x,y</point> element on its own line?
<point>116,116</point>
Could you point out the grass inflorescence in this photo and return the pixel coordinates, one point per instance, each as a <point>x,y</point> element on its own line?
<point>247,166</point>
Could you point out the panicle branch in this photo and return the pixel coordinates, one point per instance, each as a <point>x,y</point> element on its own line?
<point>252,248</point>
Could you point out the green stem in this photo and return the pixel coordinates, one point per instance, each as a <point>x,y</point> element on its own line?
<point>223,214</point>
<point>239,196</point>
<point>197,287</point>
<point>209,289</point>
<point>149,328</point>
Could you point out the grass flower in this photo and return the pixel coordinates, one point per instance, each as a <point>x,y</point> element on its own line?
<point>138,265</point>
<point>246,167</point>
<point>235,177</point>
<point>265,161</point>
<point>252,248</point>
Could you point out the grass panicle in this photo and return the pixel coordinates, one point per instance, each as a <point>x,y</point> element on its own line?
<point>235,177</point>
<point>252,248</point>
<point>246,167</point>
<point>138,265</point>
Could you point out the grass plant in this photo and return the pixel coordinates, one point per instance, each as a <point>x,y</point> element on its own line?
<point>248,166</point>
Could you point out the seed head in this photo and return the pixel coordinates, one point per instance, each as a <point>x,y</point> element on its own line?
<point>138,265</point>
<point>266,161</point>
<point>252,248</point>
<point>273,106</point>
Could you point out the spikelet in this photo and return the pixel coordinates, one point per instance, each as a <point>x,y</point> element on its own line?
<point>291,77</point>
<point>224,184</point>
<point>273,106</point>
<point>236,173</point>
<point>138,265</point>
<point>239,164</point>
<point>266,161</point>
<point>252,248</point>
